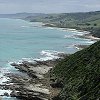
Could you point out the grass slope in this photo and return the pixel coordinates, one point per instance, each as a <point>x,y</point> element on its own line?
<point>80,75</point>
<point>89,21</point>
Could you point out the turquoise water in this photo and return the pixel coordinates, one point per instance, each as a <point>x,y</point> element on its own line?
<point>21,39</point>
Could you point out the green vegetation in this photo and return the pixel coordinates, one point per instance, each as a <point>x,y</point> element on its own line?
<point>80,75</point>
<point>89,21</point>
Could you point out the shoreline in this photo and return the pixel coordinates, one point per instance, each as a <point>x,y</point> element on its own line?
<point>82,34</point>
<point>80,47</point>
<point>86,34</point>
<point>36,83</point>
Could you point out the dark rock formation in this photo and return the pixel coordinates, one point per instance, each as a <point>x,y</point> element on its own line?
<point>34,85</point>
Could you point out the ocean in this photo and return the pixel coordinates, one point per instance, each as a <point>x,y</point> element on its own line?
<point>23,40</point>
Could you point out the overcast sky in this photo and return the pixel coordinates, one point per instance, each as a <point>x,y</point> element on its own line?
<point>48,6</point>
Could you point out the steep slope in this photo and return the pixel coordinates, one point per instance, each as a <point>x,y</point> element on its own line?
<point>80,75</point>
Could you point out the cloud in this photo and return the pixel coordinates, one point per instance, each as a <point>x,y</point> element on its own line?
<point>93,6</point>
<point>48,6</point>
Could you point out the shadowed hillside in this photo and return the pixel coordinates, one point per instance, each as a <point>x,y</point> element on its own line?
<point>80,75</point>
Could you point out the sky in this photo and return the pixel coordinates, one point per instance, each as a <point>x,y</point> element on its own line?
<point>48,6</point>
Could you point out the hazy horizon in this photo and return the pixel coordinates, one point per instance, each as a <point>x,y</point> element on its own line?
<point>48,6</point>
<point>49,13</point>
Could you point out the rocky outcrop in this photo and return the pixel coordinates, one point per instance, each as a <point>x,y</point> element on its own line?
<point>34,82</point>
<point>29,86</point>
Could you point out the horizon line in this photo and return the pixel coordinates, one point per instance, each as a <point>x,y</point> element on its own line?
<point>52,13</point>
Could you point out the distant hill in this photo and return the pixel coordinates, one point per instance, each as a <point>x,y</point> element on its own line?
<point>80,75</point>
<point>89,21</point>
<point>19,15</point>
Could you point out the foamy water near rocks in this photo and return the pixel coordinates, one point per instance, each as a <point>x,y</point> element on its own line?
<point>34,84</point>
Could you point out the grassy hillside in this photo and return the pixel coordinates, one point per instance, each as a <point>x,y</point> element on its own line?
<point>89,21</point>
<point>80,75</point>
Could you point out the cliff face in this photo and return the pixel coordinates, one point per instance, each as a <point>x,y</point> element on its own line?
<point>80,75</point>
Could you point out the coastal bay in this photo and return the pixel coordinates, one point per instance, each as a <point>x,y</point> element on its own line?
<point>21,42</point>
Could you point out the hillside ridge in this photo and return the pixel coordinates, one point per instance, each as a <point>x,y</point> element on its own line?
<point>80,75</point>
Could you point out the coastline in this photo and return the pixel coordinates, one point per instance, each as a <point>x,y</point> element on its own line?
<point>80,47</point>
<point>88,36</point>
<point>37,76</point>
<point>85,35</point>
<point>82,33</point>
<point>16,83</point>
<point>36,83</point>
